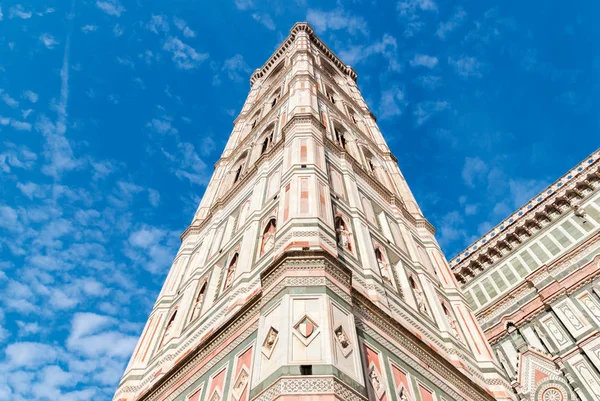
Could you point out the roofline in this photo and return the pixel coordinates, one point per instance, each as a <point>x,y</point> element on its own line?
<point>297,28</point>
<point>576,175</point>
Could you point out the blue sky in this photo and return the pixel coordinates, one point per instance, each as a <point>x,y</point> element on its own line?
<point>113,113</point>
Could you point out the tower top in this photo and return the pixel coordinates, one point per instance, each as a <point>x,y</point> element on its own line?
<point>296,29</point>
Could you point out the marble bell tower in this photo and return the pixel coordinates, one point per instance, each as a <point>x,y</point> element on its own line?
<point>308,271</point>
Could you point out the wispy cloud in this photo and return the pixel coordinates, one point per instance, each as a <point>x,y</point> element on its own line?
<point>235,68</point>
<point>31,96</point>
<point>111,7</point>
<point>89,28</point>
<point>410,11</point>
<point>466,66</point>
<point>265,20</point>
<point>386,47</point>
<point>424,61</point>
<point>48,40</point>
<point>184,28</point>
<point>336,20</point>
<point>429,82</point>
<point>243,4</point>
<point>158,23</point>
<point>425,110</point>
<point>454,22</point>
<point>474,170</point>
<point>19,12</point>
<point>8,100</point>
<point>391,103</point>
<point>183,55</point>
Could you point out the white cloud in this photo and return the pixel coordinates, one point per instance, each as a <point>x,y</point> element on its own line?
<point>30,354</point>
<point>14,156</point>
<point>20,125</point>
<point>466,66</point>
<point>243,4</point>
<point>188,165</point>
<point>152,248</point>
<point>89,28</point>
<point>454,22</point>
<point>158,23</point>
<point>111,7</point>
<point>31,96</point>
<point>118,30</point>
<point>391,103</point>
<point>126,61</point>
<point>1,15</point>
<point>474,170</point>
<point>89,337</point>
<point>425,110</point>
<point>429,82</point>
<point>183,55</point>
<point>153,197</point>
<point>236,68</point>
<point>265,20</point>
<point>182,26</point>
<point>6,98</point>
<point>335,20</point>
<point>386,47</point>
<point>18,12</point>
<point>410,11</point>
<point>163,126</point>
<point>26,113</point>
<point>48,40</point>
<point>424,60</point>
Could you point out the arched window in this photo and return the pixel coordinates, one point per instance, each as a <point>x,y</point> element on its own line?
<point>330,94</point>
<point>238,167</point>
<point>268,138</point>
<point>231,271</point>
<point>352,115</point>
<point>275,98</point>
<point>384,266</point>
<point>169,329</point>
<point>340,137</point>
<point>198,301</point>
<point>268,238</point>
<point>342,234</point>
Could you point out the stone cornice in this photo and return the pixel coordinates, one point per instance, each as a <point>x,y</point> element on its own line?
<point>534,214</point>
<point>281,50</point>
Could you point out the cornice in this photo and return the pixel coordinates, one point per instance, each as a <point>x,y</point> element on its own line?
<point>556,198</point>
<point>297,28</point>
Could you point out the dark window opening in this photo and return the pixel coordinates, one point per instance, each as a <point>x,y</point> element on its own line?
<point>306,370</point>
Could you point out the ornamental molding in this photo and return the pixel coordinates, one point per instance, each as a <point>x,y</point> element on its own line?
<point>555,198</point>
<point>281,51</point>
<point>415,350</point>
<point>313,385</point>
<point>495,310</point>
<point>199,356</point>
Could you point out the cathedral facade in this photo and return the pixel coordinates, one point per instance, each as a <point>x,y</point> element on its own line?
<point>534,284</point>
<point>308,271</point>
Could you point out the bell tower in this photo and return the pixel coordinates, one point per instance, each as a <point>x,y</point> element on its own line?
<point>308,269</point>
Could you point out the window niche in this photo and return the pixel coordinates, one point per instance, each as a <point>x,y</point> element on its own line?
<point>268,236</point>
<point>343,233</point>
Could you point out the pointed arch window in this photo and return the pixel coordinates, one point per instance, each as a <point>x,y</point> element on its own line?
<point>330,94</point>
<point>267,138</point>
<point>275,98</point>
<point>340,135</point>
<point>197,308</point>
<point>229,276</point>
<point>243,214</point>
<point>268,237</point>
<point>343,234</point>
<point>238,167</point>
<point>168,334</point>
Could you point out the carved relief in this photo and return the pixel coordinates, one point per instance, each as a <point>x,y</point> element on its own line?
<point>270,342</point>
<point>591,306</point>
<point>556,332</point>
<point>342,340</point>
<point>552,394</point>
<point>343,235</point>
<point>241,383</point>
<point>589,378</point>
<point>403,394</point>
<point>375,381</point>
<point>216,396</point>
